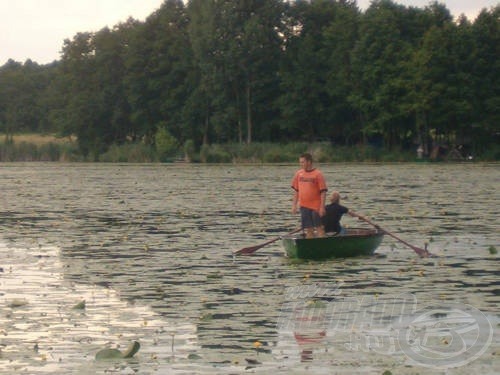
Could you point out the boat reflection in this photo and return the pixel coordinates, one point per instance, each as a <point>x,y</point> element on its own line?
<point>312,329</point>
<point>303,330</point>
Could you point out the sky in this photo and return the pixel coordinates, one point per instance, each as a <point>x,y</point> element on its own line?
<point>36,29</point>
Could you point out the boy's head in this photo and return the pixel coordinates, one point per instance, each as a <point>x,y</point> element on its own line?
<point>335,197</point>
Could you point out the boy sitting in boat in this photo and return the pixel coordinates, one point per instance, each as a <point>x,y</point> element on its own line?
<point>334,212</point>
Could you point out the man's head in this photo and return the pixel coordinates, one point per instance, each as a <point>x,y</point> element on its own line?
<point>335,197</point>
<point>306,161</point>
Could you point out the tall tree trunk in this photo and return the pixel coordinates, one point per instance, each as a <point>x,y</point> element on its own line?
<point>239,119</point>
<point>249,114</point>
<point>205,130</point>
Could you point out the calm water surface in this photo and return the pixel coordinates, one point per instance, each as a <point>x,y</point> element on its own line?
<point>149,250</point>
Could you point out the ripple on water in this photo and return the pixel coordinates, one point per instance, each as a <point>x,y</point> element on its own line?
<point>152,258</point>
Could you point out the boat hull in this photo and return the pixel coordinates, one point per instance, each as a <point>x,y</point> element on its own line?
<point>355,242</point>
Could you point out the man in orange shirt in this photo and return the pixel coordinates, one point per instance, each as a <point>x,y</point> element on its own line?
<point>309,194</point>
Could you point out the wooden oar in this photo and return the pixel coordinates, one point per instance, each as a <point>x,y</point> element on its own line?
<point>421,252</point>
<point>253,249</point>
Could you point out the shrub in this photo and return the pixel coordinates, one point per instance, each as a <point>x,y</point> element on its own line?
<point>166,144</point>
<point>217,154</point>
<point>128,153</point>
<point>189,151</point>
<point>277,154</point>
<point>49,152</point>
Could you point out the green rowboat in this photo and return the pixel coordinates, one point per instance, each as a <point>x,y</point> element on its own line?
<point>355,242</point>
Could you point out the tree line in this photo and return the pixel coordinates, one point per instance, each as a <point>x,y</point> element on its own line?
<point>241,71</point>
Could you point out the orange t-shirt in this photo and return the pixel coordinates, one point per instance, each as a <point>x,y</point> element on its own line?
<point>309,185</point>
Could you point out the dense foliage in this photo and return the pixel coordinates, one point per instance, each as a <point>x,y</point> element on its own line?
<point>241,71</point>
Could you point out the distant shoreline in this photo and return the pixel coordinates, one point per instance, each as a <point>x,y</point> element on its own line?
<point>51,148</point>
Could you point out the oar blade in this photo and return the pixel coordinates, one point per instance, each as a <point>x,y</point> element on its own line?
<point>253,249</point>
<point>247,250</point>
<point>423,253</point>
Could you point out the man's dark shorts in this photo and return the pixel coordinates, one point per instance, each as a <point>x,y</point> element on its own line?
<point>310,218</point>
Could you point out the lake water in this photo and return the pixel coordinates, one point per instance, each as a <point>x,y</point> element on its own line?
<point>149,250</point>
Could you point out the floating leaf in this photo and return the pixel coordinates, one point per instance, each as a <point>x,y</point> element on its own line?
<point>18,302</point>
<point>109,353</point>
<point>131,349</point>
<point>215,275</point>
<point>313,304</point>
<point>80,305</point>
<point>206,317</point>
<point>251,361</point>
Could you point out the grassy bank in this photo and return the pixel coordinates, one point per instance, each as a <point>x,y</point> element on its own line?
<point>36,147</point>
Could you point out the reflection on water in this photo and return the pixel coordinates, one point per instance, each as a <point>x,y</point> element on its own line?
<point>338,329</point>
<point>149,249</point>
<point>44,331</point>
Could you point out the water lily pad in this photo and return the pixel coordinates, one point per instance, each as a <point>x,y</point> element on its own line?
<point>214,275</point>
<point>206,317</point>
<point>252,361</point>
<point>80,305</point>
<point>131,349</point>
<point>18,302</point>
<point>109,353</point>
<point>313,304</point>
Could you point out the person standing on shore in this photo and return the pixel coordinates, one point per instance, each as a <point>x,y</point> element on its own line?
<point>309,196</point>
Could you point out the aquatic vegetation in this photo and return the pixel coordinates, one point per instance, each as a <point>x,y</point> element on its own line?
<point>18,302</point>
<point>77,233</point>
<point>80,305</point>
<point>109,353</point>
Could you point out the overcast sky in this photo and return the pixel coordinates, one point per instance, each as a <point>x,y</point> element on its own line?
<point>36,29</point>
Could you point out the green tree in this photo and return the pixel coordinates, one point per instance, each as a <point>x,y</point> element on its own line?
<point>49,97</point>
<point>166,144</point>
<point>443,96</point>
<point>203,38</point>
<point>172,64</point>
<point>485,60</point>
<point>81,112</point>
<point>137,81</point>
<point>93,70</point>
<point>305,100</point>
<point>218,71</point>
<point>340,37</point>
<point>21,97</point>
<point>159,65</point>
<point>259,57</point>
<point>381,72</point>
<point>237,47</point>
<point>113,124</point>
